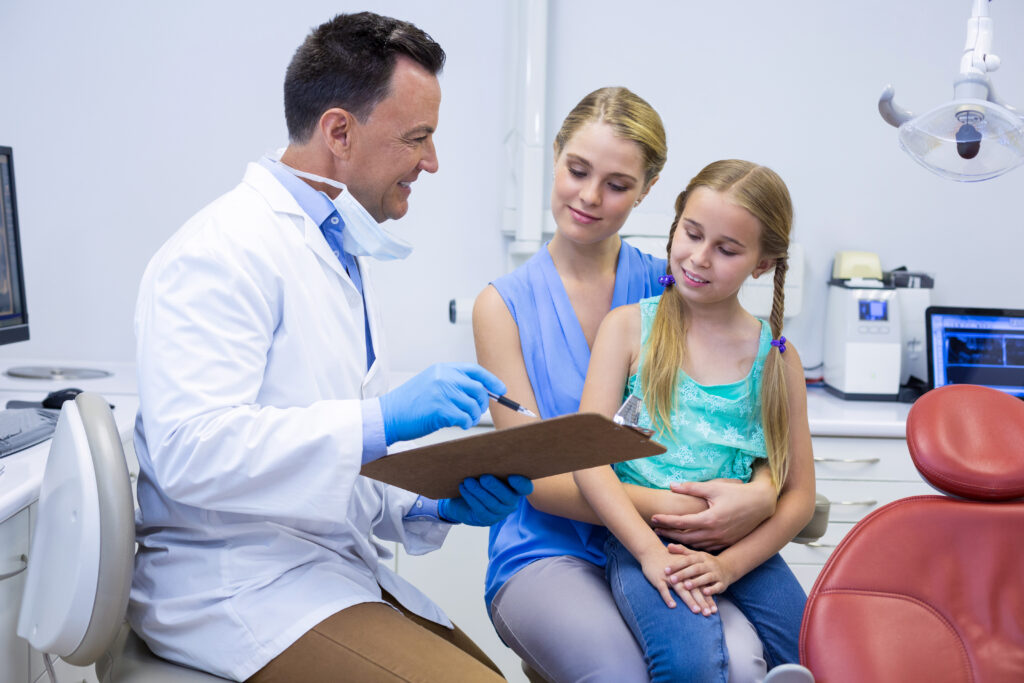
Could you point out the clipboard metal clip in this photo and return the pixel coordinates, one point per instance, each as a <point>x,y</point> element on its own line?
<point>628,413</point>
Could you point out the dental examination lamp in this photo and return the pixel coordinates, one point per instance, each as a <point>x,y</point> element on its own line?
<point>974,137</point>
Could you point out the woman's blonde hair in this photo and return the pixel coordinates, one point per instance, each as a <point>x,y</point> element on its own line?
<point>760,191</point>
<point>629,115</point>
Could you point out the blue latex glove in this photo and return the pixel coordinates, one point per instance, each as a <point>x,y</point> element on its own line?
<point>443,395</point>
<point>484,501</point>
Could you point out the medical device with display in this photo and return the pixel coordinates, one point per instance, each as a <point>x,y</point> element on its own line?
<point>863,350</point>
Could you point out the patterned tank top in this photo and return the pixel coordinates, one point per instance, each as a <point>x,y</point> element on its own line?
<point>715,431</point>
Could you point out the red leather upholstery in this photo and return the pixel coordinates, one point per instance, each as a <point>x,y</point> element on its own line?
<point>929,588</point>
<point>969,441</point>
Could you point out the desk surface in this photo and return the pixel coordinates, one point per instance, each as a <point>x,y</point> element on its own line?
<point>23,471</point>
<point>121,381</point>
<point>832,416</point>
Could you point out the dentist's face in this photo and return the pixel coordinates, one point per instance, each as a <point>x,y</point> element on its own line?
<point>599,177</point>
<point>396,142</point>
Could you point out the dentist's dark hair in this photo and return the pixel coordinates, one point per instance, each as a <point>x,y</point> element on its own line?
<point>348,62</point>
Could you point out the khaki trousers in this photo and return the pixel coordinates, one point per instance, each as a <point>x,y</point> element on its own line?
<point>372,642</point>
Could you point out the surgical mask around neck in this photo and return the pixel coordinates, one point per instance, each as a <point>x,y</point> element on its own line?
<point>362,235</point>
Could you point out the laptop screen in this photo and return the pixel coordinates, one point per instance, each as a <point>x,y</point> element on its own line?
<point>976,346</point>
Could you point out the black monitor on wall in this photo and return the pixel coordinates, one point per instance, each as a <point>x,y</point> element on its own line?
<point>13,313</point>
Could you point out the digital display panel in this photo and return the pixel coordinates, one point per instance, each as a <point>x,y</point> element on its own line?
<point>874,310</point>
<point>13,315</point>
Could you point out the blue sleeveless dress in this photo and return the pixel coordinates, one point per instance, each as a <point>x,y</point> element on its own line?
<point>556,354</point>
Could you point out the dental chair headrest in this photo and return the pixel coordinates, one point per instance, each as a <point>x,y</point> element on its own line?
<point>968,441</point>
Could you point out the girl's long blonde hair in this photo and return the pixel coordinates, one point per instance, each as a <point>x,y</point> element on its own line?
<point>760,191</point>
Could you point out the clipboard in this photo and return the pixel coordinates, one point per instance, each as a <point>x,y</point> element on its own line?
<point>534,450</point>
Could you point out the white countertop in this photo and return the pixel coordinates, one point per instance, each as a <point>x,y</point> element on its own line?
<point>121,381</point>
<point>23,471</point>
<point>832,416</point>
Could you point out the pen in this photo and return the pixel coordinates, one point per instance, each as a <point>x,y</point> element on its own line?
<point>509,403</point>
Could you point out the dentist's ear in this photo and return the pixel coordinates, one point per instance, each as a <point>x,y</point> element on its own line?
<point>337,127</point>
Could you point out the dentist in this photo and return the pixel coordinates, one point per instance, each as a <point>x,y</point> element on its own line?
<point>263,389</point>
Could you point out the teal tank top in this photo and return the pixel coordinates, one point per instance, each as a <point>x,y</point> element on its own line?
<point>715,431</point>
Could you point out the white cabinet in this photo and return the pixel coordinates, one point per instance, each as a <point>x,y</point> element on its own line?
<point>19,488</point>
<point>14,542</point>
<point>65,672</point>
<point>857,475</point>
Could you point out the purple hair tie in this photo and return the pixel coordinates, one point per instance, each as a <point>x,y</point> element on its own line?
<point>780,343</point>
<point>666,280</point>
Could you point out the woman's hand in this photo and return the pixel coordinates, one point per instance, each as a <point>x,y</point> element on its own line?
<point>734,510</point>
<point>702,572</point>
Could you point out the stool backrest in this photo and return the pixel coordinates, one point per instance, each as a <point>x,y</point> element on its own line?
<point>80,562</point>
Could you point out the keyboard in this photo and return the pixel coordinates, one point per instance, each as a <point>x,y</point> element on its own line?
<point>21,428</point>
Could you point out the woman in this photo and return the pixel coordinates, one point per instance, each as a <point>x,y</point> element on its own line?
<point>546,591</point>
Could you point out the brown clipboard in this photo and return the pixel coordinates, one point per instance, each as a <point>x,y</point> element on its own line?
<point>533,450</point>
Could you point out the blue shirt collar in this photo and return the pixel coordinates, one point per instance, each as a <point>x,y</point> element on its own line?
<point>314,203</point>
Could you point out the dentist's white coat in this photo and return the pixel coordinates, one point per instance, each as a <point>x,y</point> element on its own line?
<point>254,524</point>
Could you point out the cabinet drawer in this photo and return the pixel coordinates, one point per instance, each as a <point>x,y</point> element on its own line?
<point>849,501</point>
<point>869,459</point>
<point>806,574</point>
<point>66,673</point>
<point>13,545</point>
<point>818,551</point>
<point>14,542</point>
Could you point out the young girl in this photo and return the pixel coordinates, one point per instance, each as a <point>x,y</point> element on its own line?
<point>722,389</point>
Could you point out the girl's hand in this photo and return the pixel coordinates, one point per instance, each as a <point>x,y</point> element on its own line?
<point>658,566</point>
<point>702,572</point>
<point>734,510</point>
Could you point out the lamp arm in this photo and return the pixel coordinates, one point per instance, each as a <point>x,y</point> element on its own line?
<point>977,57</point>
<point>894,114</point>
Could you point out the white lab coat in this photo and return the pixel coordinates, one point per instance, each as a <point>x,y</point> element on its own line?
<point>254,524</point>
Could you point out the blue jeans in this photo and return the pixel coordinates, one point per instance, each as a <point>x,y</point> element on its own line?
<point>680,645</point>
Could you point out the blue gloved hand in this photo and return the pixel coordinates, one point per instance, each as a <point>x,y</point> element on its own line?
<point>443,395</point>
<point>484,501</point>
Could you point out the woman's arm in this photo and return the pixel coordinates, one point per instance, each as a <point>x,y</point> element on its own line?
<point>559,495</point>
<point>794,509</point>
<point>732,510</point>
<point>498,349</point>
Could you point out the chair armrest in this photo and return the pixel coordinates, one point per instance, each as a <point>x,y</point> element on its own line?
<point>815,529</point>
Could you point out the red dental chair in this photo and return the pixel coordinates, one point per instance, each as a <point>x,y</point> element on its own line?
<point>931,588</point>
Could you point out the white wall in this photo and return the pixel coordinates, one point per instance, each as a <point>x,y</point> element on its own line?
<point>127,117</point>
<point>794,85</point>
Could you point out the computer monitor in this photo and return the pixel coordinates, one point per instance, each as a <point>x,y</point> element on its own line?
<point>976,346</point>
<point>13,312</point>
